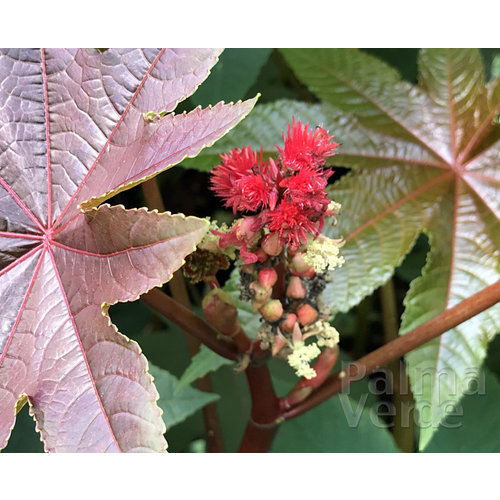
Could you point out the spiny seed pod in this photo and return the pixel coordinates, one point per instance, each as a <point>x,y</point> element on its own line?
<point>288,323</point>
<point>306,314</point>
<point>268,277</point>
<point>271,244</point>
<point>272,311</point>
<point>296,289</point>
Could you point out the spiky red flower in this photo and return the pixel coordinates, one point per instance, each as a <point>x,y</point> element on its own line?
<point>235,165</point>
<point>303,148</point>
<point>244,182</point>
<point>255,192</point>
<point>307,188</point>
<point>288,196</point>
<point>292,223</point>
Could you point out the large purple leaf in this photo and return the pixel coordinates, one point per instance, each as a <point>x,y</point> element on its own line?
<point>73,130</point>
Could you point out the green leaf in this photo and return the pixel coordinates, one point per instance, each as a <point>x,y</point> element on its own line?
<point>460,262</point>
<point>177,407</point>
<point>339,425</point>
<point>204,362</point>
<point>364,86</point>
<point>380,220</point>
<point>472,426</point>
<point>458,97</point>
<point>232,77</point>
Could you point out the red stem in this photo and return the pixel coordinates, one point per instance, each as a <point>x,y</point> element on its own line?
<point>436,326</point>
<point>263,422</point>
<point>190,323</point>
<point>323,367</point>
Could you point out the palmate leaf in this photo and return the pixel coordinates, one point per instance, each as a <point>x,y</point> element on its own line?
<point>449,116</point>
<point>73,134</point>
<point>424,158</point>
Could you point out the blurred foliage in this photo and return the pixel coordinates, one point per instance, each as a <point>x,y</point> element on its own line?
<point>231,77</point>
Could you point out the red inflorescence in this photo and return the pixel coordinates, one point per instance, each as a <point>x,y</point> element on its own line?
<point>305,148</point>
<point>288,196</point>
<point>243,181</point>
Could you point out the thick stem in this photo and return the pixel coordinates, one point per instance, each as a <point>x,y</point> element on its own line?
<point>242,341</point>
<point>436,326</point>
<point>190,323</point>
<point>263,422</point>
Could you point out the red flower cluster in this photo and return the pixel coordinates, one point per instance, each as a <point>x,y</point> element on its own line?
<point>289,195</point>
<point>245,182</point>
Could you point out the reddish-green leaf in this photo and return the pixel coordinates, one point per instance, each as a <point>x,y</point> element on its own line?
<point>73,134</point>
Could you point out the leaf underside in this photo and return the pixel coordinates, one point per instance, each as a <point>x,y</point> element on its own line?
<point>424,159</point>
<point>73,134</point>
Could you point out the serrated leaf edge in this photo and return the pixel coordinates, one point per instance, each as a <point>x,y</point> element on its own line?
<point>97,200</point>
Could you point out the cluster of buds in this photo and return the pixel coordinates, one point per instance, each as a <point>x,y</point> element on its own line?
<point>291,317</point>
<point>285,260</point>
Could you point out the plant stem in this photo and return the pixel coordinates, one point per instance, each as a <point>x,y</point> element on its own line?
<point>403,429</point>
<point>436,326</point>
<point>263,422</point>
<point>215,443</point>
